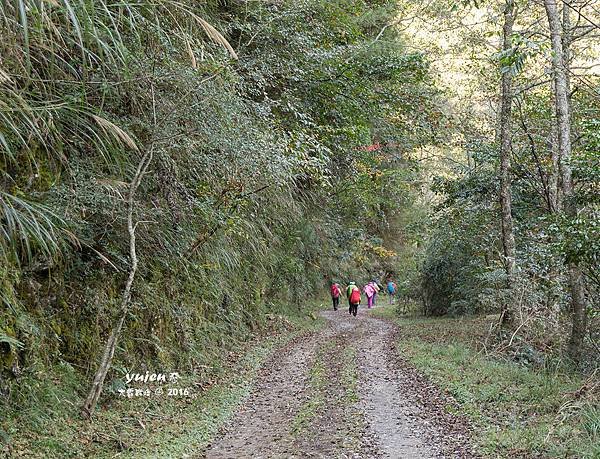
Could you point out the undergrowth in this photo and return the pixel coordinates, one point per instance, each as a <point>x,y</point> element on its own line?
<point>517,411</point>
<point>43,419</point>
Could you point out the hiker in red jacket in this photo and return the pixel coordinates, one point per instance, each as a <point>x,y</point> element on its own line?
<point>353,294</point>
<point>336,291</point>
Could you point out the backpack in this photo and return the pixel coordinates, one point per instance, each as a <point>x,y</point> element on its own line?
<point>349,290</point>
<point>335,291</point>
<point>391,287</point>
<point>355,296</point>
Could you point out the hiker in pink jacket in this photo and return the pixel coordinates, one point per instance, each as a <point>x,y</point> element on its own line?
<point>369,291</point>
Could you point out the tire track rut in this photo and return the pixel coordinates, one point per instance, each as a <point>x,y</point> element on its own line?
<point>342,392</point>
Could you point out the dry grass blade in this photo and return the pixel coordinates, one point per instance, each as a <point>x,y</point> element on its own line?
<point>115,187</point>
<point>191,54</point>
<point>212,33</point>
<point>216,36</point>
<point>4,77</point>
<point>120,134</point>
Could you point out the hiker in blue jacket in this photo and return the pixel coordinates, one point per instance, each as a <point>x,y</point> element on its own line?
<point>391,290</point>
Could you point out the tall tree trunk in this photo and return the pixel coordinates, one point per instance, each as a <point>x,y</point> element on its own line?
<point>554,185</point>
<point>561,96</point>
<point>563,116</point>
<point>508,237</point>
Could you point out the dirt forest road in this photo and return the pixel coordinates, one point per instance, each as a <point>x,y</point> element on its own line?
<point>344,392</point>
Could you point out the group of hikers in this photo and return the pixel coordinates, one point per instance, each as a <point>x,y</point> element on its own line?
<point>354,294</point>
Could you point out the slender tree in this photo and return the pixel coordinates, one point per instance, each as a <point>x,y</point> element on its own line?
<point>563,119</point>
<point>508,237</point>
<point>554,185</point>
<point>111,344</point>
